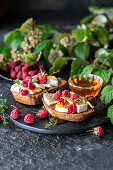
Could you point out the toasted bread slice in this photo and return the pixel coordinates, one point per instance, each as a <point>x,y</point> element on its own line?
<point>34,99</point>
<point>69,117</point>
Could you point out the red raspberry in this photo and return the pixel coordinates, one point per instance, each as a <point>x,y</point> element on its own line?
<point>13,75</point>
<point>98,131</point>
<point>6,69</point>
<point>24,76</point>
<point>38,80</point>
<point>24,83</point>
<point>74,96</point>
<point>90,99</point>
<point>24,92</point>
<point>32,73</point>
<point>66,93</point>
<point>57,95</point>
<point>29,119</point>
<point>18,68</point>
<point>19,75</point>
<point>62,101</point>
<point>13,64</point>
<point>28,78</point>
<point>31,86</point>
<point>43,79</point>
<point>41,66</point>
<point>72,108</point>
<point>25,69</point>
<point>43,114</point>
<point>23,64</point>
<point>15,114</point>
<point>35,66</point>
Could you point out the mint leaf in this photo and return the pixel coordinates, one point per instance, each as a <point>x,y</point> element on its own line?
<point>40,46</point>
<point>77,66</point>
<point>80,33</point>
<point>86,19</point>
<point>107,95</point>
<point>10,36</point>
<point>58,64</point>
<point>88,69</point>
<point>47,50</point>
<point>104,74</point>
<point>110,113</point>
<point>82,51</point>
<point>15,44</point>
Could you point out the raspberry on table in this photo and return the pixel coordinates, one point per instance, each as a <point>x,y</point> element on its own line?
<point>43,79</point>
<point>25,69</point>
<point>57,95</point>
<point>24,92</point>
<point>98,131</point>
<point>30,119</point>
<point>13,75</point>
<point>24,83</point>
<point>66,93</point>
<point>72,108</point>
<point>43,114</point>
<point>74,96</point>
<point>24,76</point>
<point>18,68</point>
<point>15,114</point>
<point>6,69</point>
<point>12,64</point>
<point>31,86</point>
<point>19,75</point>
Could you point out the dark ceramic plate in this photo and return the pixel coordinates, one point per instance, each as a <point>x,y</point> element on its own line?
<point>99,118</point>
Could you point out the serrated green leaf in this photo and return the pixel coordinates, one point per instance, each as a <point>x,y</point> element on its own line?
<point>107,95</point>
<point>104,74</point>
<point>88,69</point>
<point>82,51</point>
<point>26,26</point>
<point>10,36</point>
<point>110,113</point>
<point>86,19</point>
<point>40,46</point>
<point>80,34</point>
<point>58,64</point>
<point>47,50</point>
<point>77,66</point>
<point>15,44</point>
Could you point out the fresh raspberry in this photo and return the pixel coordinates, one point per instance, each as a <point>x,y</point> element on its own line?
<point>23,64</point>
<point>24,83</point>
<point>12,64</point>
<point>18,68</point>
<point>38,80</point>
<point>74,96</point>
<point>90,99</point>
<point>29,119</point>
<point>15,114</point>
<point>62,101</point>
<point>31,86</point>
<point>72,108</point>
<point>43,114</point>
<point>24,92</point>
<point>13,75</point>
<point>57,95</point>
<point>43,79</point>
<point>19,75</point>
<point>41,67</point>
<point>25,69</point>
<point>32,73</point>
<point>66,93</point>
<point>28,78</point>
<point>24,76</point>
<point>98,131</point>
<point>6,69</point>
<point>35,66</point>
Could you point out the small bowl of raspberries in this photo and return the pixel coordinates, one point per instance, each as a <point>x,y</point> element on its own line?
<point>20,70</point>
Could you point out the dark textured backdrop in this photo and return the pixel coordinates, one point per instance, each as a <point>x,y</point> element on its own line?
<point>75,5</point>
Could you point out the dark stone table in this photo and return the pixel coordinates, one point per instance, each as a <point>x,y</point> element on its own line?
<point>24,150</point>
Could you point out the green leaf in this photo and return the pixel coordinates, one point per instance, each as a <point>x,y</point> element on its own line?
<point>7,53</point>
<point>15,44</point>
<point>110,60</point>
<point>82,51</point>
<point>27,25</point>
<point>104,74</point>
<point>40,46</point>
<point>58,64</point>
<point>107,95</point>
<point>86,19</point>
<point>97,10</point>
<point>1,48</point>
<point>30,59</point>
<point>47,50</point>
<point>110,113</point>
<point>80,33</point>
<point>10,36</point>
<point>88,69</point>
<point>77,66</point>
<point>62,36</point>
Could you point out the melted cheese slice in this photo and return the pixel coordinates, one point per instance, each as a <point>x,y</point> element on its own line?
<point>61,108</point>
<point>49,99</point>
